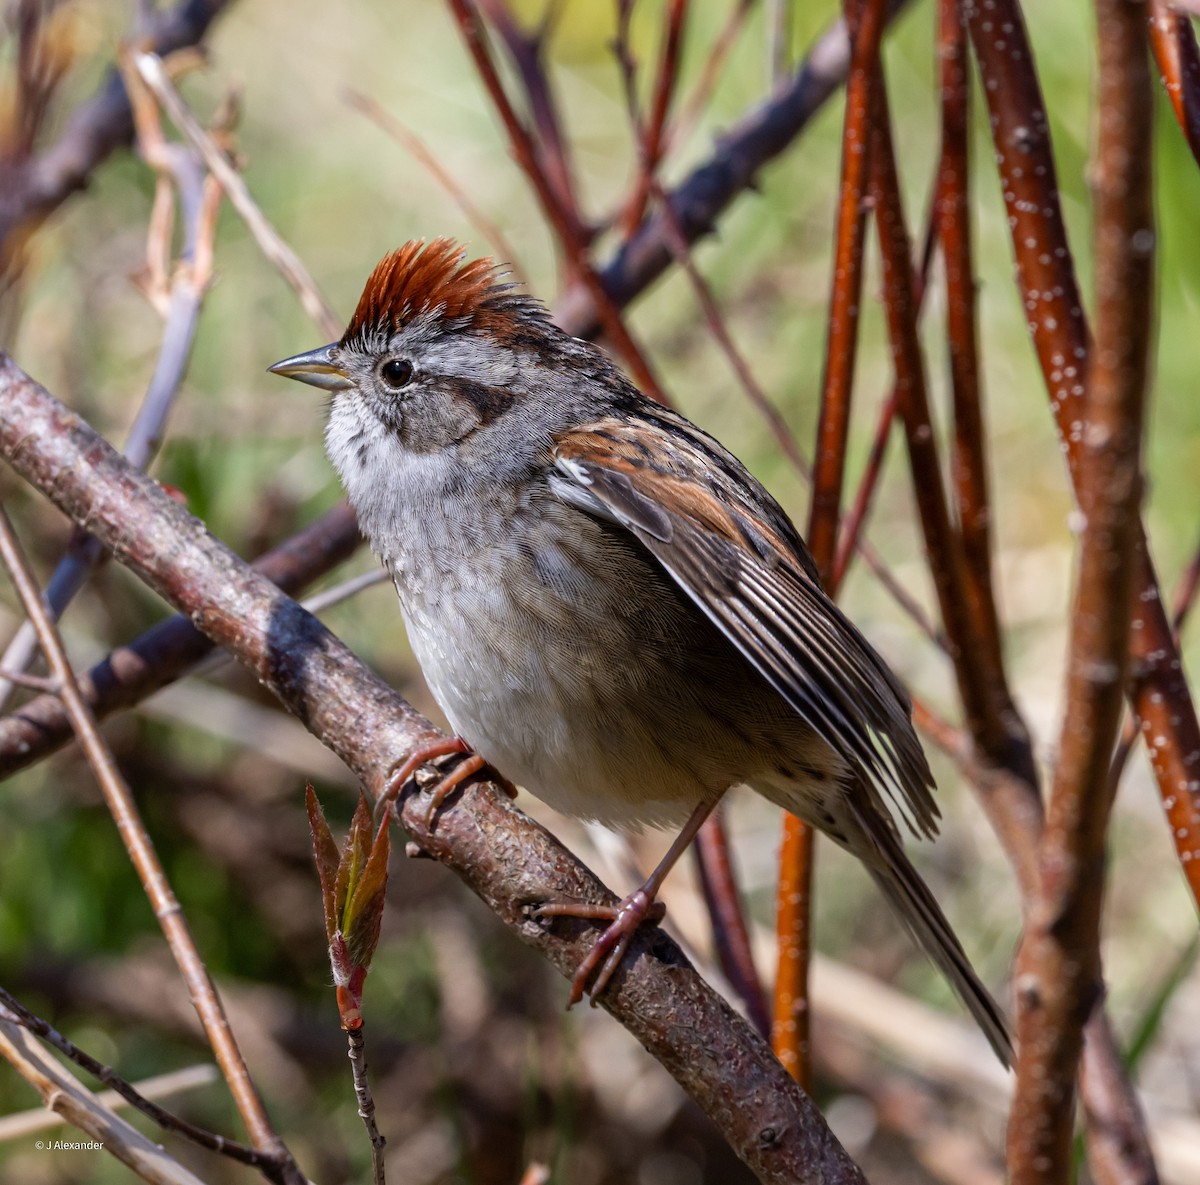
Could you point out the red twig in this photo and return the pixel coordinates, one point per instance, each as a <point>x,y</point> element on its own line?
<point>731,936</point>
<point>1182,604</point>
<point>525,50</point>
<point>1173,40</point>
<point>651,136</point>
<point>790,1020</point>
<point>941,542</point>
<point>1159,693</point>
<point>853,522</point>
<point>865,20</point>
<point>563,219</point>
<point>1058,968</point>
<point>968,460</point>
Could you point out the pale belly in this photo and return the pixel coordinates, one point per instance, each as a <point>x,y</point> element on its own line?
<point>613,700</point>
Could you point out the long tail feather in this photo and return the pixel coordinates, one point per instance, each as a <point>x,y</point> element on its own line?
<point>873,842</point>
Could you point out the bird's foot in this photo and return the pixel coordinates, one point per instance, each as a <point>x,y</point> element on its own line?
<point>605,956</point>
<point>430,751</point>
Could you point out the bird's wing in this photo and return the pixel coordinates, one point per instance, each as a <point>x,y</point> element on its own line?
<point>731,548</point>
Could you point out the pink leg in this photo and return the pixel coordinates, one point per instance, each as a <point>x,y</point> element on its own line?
<point>430,751</point>
<point>625,918</point>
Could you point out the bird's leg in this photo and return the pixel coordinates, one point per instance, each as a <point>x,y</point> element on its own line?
<point>640,906</point>
<point>429,751</point>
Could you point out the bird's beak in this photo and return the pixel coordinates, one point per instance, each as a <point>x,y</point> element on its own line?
<point>318,368</point>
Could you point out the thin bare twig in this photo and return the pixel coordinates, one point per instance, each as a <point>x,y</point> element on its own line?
<point>178,293</point>
<point>201,989</point>
<point>552,148</point>
<point>366,1102</point>
<point>416,147</point>
<point>150,67</point>
<point>650,135</point>
<point>563,219</point>
<point>106,1074</point>
<point>697,102</point>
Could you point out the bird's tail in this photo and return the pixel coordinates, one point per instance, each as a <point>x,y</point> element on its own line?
<point>871,839</point>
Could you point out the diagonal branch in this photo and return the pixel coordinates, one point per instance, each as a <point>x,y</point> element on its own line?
<point>505,858</point>
<point>159,656</point>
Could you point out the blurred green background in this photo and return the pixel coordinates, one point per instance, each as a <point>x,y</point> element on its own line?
<point>477,1070</point>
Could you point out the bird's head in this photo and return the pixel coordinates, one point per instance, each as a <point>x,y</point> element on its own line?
<point>438,348</point>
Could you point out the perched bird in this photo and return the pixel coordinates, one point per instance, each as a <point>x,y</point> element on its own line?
<point>611,611</point>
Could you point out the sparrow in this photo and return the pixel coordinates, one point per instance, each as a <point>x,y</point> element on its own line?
<point>609,608</point>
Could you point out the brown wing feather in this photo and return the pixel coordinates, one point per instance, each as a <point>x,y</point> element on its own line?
<point>732,549</point>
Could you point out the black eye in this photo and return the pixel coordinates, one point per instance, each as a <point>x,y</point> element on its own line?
<point>396,373</point>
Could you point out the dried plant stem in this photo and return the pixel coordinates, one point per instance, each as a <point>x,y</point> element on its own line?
<point>38,185</point>
<point>179,293</point>
<point>67,1097</point>
<point>106,1074</point>
<point>18,1124</point>
<point>150,67</point>
<point>1058,968</point>
<point>137,842</point>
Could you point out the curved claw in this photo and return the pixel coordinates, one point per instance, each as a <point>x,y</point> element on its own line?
<point>609,949</point>
<point>403,770</point>
<point>455,778</point>
<point>423,754</point>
